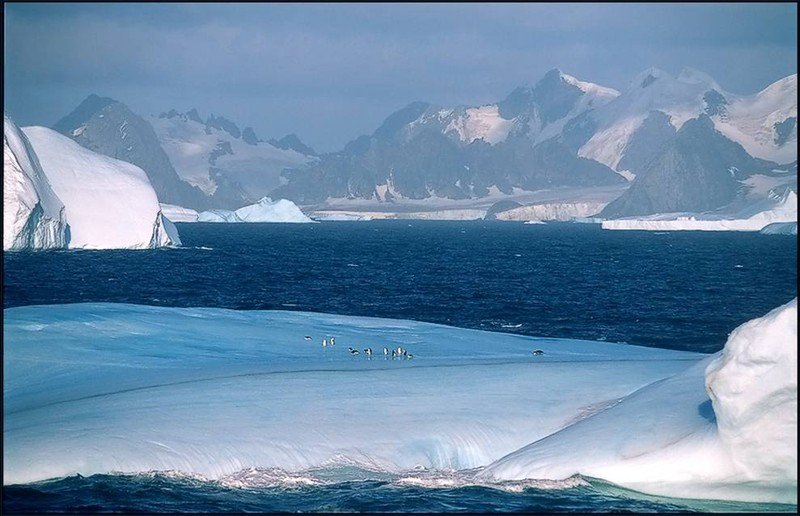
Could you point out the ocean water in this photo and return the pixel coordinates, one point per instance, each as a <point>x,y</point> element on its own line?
<point>681,290</point>
<point>676,290</point>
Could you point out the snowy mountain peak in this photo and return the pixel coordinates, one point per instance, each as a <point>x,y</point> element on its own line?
<point>647,77</point>
<point>781,91</point>
<point>222,123</point>
<point>590,87</point>
<point>293,142</point>
<point>693,76</point>
<point>85,111</point>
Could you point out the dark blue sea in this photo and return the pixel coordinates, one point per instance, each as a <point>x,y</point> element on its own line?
<point>684,290</point>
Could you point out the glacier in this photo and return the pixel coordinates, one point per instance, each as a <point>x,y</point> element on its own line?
<point>195,149</point>
<point>33,215</point>
<point>560,211</point>
<point>779,208</point>
<point>98,388</point>
<point>108,204</point>
<point>265,210</point>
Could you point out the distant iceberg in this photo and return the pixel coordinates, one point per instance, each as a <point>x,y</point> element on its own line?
<point>33,215</point>
<point>132,388</point>
<point>218,216</point>
<point>265,210</point>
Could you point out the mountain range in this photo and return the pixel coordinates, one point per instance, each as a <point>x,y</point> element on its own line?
<point>671,143</point>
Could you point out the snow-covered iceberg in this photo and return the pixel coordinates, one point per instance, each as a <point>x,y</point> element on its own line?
<point>92,388</point>
<point>726,428</point>
<point>781,208</point>
<point>33,216</point>
<point>108,204</point>
<point>217,216</point>
<point>107,387</point>
<point>178,213</point>
<point>265,210</point>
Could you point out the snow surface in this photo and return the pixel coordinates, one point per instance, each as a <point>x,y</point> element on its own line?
<point>92,388</point>
<point>725,428</point>
<point>264,210</point>
<point>681,98</point>
<point>481,123</point>
<point>189,145</point>
<point>109,204</point>
<point>752,218</point>
<point>178,213</point>
<point>750,120</point>
<point>485,122</point>
<point>33,215</point>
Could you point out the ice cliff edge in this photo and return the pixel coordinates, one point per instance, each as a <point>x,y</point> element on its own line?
<point>58,194</point>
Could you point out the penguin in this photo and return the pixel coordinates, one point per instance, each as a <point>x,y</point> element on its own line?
<point>405,353</point>
<point>399,350</point>
<point>394,354</point>
<point>385,351</point>
<point>538,352</point>
<point>368,351</point>
<point>307,337</point>
<point>353,351</point>
<point>324,343</point>
<point>333,341</point>
<point>409,356</point>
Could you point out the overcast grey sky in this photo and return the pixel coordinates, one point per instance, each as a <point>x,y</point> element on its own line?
<point>330,72</point>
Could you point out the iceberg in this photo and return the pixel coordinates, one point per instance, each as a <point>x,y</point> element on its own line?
<point>178,213</point>
<point>91,388</point>
<point>265,210</point>
<point>98,388</point>
<point>33,215</point>
<point>108,204</point>
<point>726,428</point>
<point>217,216</point>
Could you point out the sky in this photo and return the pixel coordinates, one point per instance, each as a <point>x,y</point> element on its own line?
<point>331,72</point>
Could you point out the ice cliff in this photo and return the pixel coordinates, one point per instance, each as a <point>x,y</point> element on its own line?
<point>108,204</point>
<point>33,216</point>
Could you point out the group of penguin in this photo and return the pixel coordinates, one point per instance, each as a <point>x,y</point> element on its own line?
<point>394,353</point>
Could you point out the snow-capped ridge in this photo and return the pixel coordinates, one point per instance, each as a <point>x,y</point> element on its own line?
<point>694,76</point>
<point>590,87</point>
